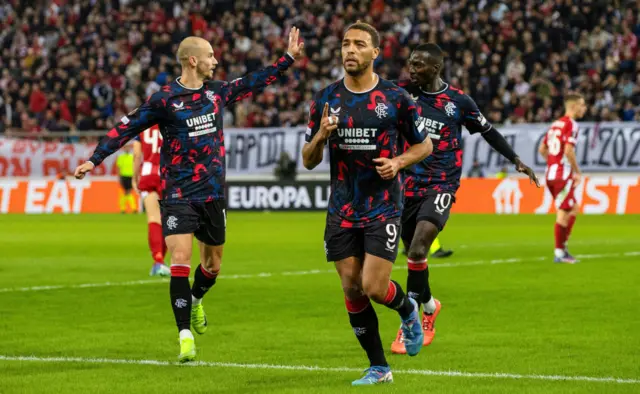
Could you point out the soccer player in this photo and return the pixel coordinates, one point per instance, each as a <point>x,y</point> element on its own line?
<point>563,174</point>
<point>361,118</point>
<point>430,185</point>
<point>124,162</point>
<point>189,114</point>
<point>146,181</point>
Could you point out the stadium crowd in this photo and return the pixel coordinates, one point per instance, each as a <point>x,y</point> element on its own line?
<point>81,64</point>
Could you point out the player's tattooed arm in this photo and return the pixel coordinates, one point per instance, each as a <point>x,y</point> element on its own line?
<point>317,137</point>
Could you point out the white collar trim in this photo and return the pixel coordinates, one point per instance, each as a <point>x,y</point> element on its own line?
<point>178,81</point>
<point>446,86</point>
<point>366,91</point>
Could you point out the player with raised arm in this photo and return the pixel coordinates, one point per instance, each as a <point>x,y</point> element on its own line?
<point>189,114</point>
<point>361,118</point>
<point>430,185</point>
<point>146,181</point>
<point>563,175</point>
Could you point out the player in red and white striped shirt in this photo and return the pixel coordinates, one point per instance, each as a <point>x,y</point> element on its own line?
<point>563,174</point>
<point>146,180</point>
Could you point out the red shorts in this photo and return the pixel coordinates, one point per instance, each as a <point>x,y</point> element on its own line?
<point>563,192</point>
<point>150,183</point>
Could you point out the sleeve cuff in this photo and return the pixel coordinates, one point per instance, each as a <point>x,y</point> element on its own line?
<point>289,57</point>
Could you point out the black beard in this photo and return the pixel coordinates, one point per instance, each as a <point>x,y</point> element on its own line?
<point>357,72</point>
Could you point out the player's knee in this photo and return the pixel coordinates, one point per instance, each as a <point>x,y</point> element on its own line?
<point>212,262</point>
<point>376,290</point>
<point>181,257</point>
<point>352,292</point>
<point>417,252</point>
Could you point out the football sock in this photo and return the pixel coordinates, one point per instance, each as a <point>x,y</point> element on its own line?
<point>122,201</point>
<point>186,333</point>
<point>429,307</point>
<point>156,242</point>
<point>561,237</point>
<point>397,300</point>
<point>131,201</point>
<point>364,321</point>
<point>417,278</point>
<point>203,280</point>
<point>180,292</point>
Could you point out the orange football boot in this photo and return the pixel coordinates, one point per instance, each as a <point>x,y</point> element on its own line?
<point>397,347</point>
<point>428,325</point>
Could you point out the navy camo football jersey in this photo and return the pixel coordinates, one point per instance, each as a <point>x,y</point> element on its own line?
<point>442,114</point>
<point>192,156</point>
<point>369,126</point>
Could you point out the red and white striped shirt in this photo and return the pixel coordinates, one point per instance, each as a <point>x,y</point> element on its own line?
<point>562,132</point>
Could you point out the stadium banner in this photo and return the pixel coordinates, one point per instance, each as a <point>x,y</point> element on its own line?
<point>278,196</point>
<point>601,147</point>
<point>31,158</point>
<point>606,194</point>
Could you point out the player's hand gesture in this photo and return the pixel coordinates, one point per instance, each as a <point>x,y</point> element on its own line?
<point>295,46</point>
<point>82,169</point>
<point>523,168</point>
<point>327,123</point>
<point>387,168</point>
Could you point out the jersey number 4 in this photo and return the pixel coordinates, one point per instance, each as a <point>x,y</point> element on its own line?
<point>152,137</point>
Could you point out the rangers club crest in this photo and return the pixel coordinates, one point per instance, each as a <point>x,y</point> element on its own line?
<point>381,110</point>
<point>211,96</point>
<point>450,109</point>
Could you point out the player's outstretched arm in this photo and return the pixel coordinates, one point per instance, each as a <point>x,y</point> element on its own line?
<point>388,168</point>
<point>257,81</point>
<point>500,144</point>
<point>129,126</point>
<point>317,137</point>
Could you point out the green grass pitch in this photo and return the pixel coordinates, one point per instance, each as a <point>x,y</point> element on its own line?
<point>507,309</point>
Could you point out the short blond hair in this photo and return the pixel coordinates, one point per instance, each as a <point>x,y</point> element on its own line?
<point>572,98</point>
<point>190,46</point>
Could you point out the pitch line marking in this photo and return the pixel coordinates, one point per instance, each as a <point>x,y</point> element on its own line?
<point>309,272</point>
<point>425,372</point>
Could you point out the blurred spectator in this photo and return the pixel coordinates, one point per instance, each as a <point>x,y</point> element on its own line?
<point>286,168</point>
<point>476,170</point>
<point>81,64</point>
<point>503,173</point>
